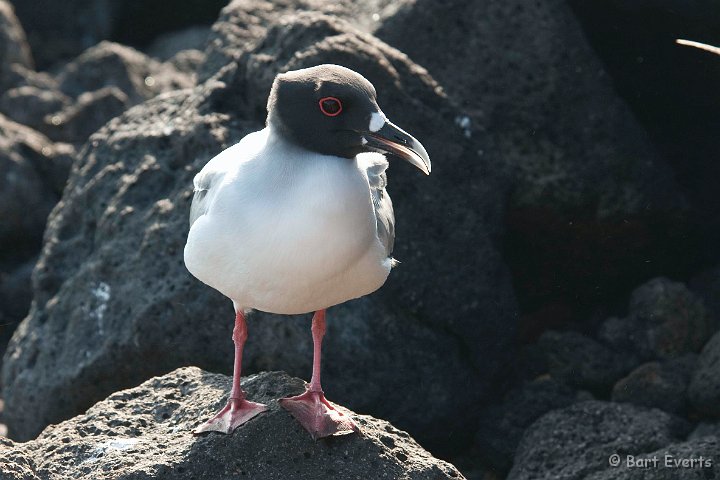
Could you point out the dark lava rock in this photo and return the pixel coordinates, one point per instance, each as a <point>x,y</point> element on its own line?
<point>501,427</point>
<point>243,24</point>
<point>58,31</point>
<point>170,44</point>
<point>704,389</point>
<point>110,64</point>
<point>15,465</point>
<point>76,122</point>
<point>593,209</point>
<point>665,320</point>
<point>115,305</point>
<point>15,296</point>
<point>583,362</point>
<point>34,170</point>
<point>29,105</point>
<point>691,460</point>
<point>671,89</point>
<point>660,385</point>
<point>94,290</point>
<point>13,44</point>
<point>145,433</point>
<point>24,202</point>
<point>21,76</point>
<point>61,30</point>
<point>705,429</point>
<point>189,62</point>
<point>577,441</point>
<point>706,285</point>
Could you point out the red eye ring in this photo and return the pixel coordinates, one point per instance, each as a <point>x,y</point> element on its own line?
<point>325,109</point>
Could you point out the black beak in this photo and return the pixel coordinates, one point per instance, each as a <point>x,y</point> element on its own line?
<point>394,140</point>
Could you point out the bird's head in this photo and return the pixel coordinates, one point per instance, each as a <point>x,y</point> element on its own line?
<point>333,110</point>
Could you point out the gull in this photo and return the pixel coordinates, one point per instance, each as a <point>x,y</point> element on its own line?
<point>295,218</point>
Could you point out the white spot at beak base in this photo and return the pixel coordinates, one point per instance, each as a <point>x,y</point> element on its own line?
<point>377,120</point>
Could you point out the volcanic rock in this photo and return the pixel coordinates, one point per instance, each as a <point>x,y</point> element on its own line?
<point>583,362</point>
<point>13,44</point>
<point>704,388</point>
<point>145,432</point>
<point>577,442</point>
<point>660,385</point>
<point>665,320</point>
<point>110,64</point>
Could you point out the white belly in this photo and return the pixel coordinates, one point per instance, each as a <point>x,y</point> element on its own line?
<point>290,236</point>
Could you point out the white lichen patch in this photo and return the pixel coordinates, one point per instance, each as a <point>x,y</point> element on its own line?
<point>119,444</point>
<point>464,122</point>
<point>101,294</point>
<point>110,446</point>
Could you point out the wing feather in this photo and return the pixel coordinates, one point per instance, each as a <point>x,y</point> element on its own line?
<point>202,182</point>
<point>376,167</point>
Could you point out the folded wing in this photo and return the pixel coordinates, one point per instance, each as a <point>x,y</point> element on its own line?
<point>376,166</point>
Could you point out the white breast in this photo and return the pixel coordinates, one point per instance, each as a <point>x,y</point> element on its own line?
<point>286,230</point>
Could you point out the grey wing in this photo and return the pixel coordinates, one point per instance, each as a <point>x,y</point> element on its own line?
<point>202,182</point>
<point>384,215</point>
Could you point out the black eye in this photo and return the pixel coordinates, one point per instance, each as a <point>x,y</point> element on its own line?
<point>330,106</point>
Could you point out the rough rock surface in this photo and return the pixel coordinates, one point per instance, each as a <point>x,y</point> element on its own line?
<point>34,170</point>
<point>590,156</point>
<point>582,362</point>
<point>110,64</point>
<point>76,122</point>
<point>145,432</point>
<point>636,41</point>
<point>705,429</point>
<point>704,388</point>
<point>30,105</point>
<point>700,457</point>
<point>101,305</point>
<point>589,195</point>
<point>577,441</point>
<point>660,385</point>
<point>73,262</point>
<point>13,44</point>
<point>242,24</point>
<point>59,31</point>
<point>96,86</point>
<point>501,427</point>
<point>665,320</point>
<point>168,45</point>
<point>15,297</point>
<point>706,285</point>
<point>188,61</point>
<point>20,76</point>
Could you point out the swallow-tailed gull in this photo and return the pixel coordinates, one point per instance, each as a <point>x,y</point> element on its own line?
<point>295,218</point>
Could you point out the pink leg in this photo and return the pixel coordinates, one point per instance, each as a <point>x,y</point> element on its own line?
<point>311,409</point>
<point>238,410</point>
